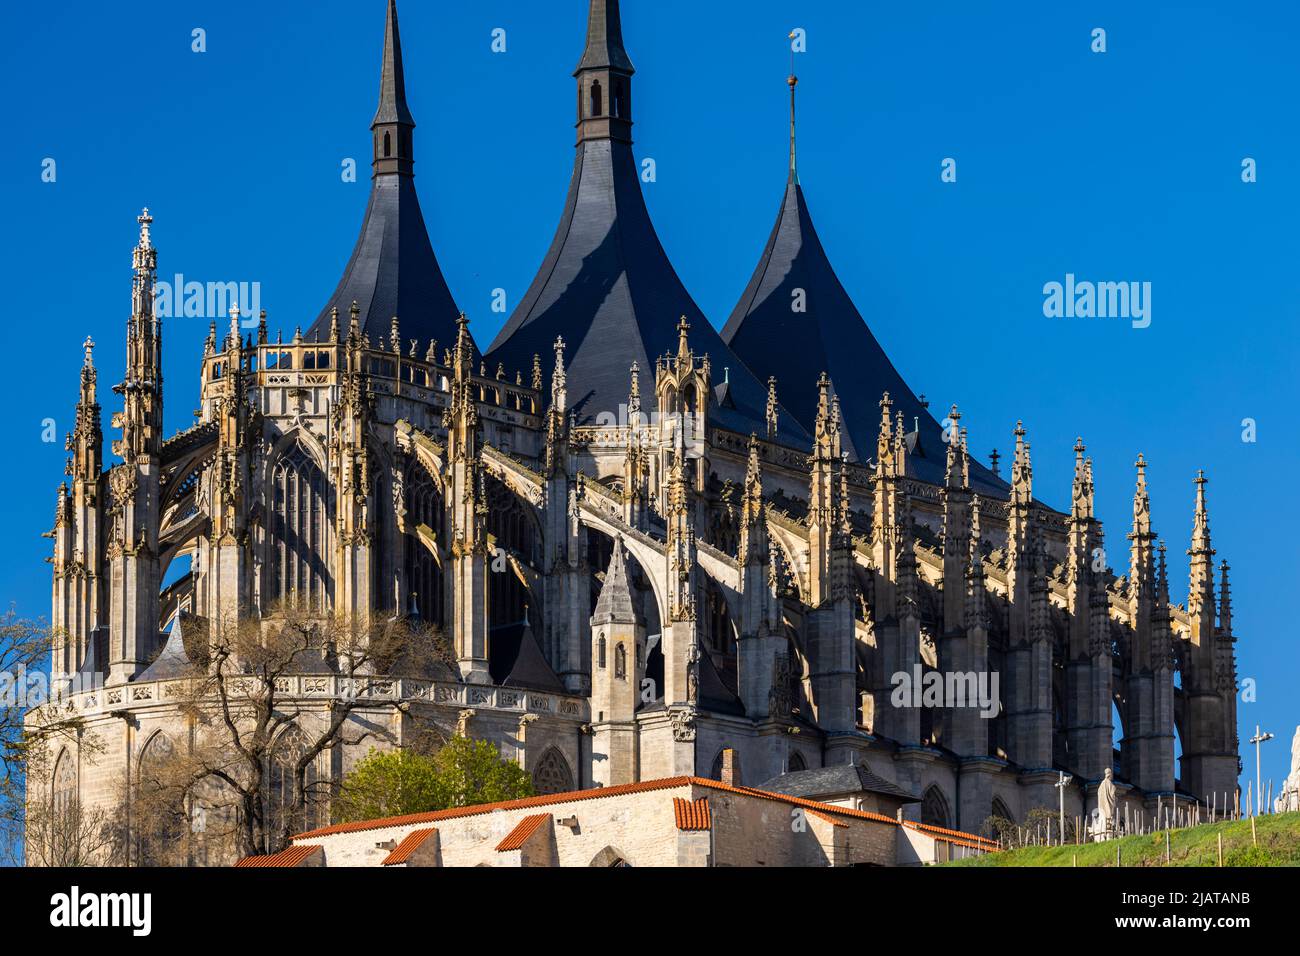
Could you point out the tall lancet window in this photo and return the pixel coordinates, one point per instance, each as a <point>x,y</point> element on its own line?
<point>299,545</point>
<point>595,98</point>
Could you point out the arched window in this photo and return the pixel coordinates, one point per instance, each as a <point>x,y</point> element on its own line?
<point>620,662</point>
<point>609,857</point>
<point>300,528</point>
<point>600,652</point>
<point>552,773</point>
<point>1000,809</point>
<point>618,99</point>
<point>162,822</point>
<point>388,143</point>
<point>282,788</point>
<point>423,571</point>
<point>595,98</point>
<point>795,763</point>
<point>63,797</point>
<point>934,808</point>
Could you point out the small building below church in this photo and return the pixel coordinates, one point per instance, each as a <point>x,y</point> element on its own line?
<point>673,822</point>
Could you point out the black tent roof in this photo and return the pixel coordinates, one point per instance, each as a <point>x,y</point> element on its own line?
<point>606,285</point>
<point>831,337</point>
<point>393,270</point>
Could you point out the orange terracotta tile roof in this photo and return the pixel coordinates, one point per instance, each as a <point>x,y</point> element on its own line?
<point>410,843</point>
<point>645,786</point>
<point>293,856</point>
<point>517,837</point>
<point>952,835</point>
<point>455,813</point>
<point>692,814</point>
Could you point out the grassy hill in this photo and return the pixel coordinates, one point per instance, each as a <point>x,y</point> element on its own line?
<point>1278,845</point>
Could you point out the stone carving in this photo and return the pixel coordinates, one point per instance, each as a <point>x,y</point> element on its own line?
<point>1107,800</point>
<point>683,723</point>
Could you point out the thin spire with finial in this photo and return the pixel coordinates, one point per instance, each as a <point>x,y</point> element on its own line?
<point>793,81</point>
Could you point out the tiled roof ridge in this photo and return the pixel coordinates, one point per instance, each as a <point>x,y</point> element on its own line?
<point>410,843</point>
<point>525,828</point>
<point>290,856</point>
<point>645,786</point>
<point>692,814</point>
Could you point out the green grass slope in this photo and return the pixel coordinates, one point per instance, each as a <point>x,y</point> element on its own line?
<point>1278,845</point>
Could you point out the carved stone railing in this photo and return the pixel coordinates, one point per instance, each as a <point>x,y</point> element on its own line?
<point>323,687</point>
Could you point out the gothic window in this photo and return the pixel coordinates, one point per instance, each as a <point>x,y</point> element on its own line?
<point>282,787</point>
<point>620,662</point>
<point>162,820</point>
<point>609,857</point>
<point>600,652</point>
<point>552,773</point>
<point>795,763</point>
<point>934,808</point>
<point>1000,810</point>
<point>63,799</point>
<point>618,99</point>
<point>423,572</point>
<point>595,98</point>
<point>388,144</point>
<point>299,532</point>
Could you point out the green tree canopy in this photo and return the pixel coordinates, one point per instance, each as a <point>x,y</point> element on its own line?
<point>463,772</point>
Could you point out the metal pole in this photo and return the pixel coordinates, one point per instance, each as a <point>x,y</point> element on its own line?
<point>1257,740</point>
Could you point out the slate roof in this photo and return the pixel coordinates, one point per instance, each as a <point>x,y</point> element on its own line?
<point>172,661</point>
<point>607,287</point>
<point>615,602</point>
<point>393,270</point>
<point>831,337</point>
<point>842,778</point>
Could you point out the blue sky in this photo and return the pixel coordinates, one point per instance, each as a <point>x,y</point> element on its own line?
<point>1122,166</point>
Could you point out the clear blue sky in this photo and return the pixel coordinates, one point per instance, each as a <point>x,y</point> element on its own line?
<point>1117,166</point>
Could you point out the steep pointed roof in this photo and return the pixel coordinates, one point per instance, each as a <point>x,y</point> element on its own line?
<point>606,285</point>
<point>615,602</point>
<point>392,78</point>
<point>830,336</point>
<point>393,270</point>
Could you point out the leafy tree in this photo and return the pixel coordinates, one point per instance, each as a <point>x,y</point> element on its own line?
<point>462,773</point>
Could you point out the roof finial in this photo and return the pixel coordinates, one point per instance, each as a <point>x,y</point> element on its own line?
<point>393,122</point>
<point>793,81</point>
<point>144,219</point>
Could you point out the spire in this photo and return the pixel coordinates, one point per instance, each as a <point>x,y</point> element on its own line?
<point>604,77</point>
<point>634,398</point>
<point>1141,561</point>
<point>604,39</point>
<point>1082,492</point>
<point>773,409</point>
<point>793,82</point>
<point>606,283</point>
<point>1201,590</point>
<point>1022,472</point>
<point>393,269</point>
<point>393,122</point>
<point>1225,601</point>
<point>615,606</point>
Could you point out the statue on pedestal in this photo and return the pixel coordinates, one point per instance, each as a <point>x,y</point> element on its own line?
<point>1104,820</point>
